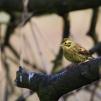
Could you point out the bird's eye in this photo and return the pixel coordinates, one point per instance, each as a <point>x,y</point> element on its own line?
<point>69,44</point>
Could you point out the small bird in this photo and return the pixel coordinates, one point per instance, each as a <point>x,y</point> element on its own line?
<point>74,52</point>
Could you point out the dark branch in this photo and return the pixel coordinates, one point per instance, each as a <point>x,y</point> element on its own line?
<point>92,29</point>
<point>51,87</point>
<point>66,32</point>
<point>96,48</point>
<point>49,6</point>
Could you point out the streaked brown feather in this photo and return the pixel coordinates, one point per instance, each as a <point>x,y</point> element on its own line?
<point>82,50</point>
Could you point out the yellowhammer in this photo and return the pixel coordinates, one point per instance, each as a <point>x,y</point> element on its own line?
<point>74,52</point>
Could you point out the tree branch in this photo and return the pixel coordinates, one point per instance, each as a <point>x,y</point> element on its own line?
<point>66,32</point>
<point>49,6</point>
<point>96,48</point>
<point>92,30</point>
<point>51,87</point>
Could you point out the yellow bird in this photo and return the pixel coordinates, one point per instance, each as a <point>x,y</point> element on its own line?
<point>74,52</point>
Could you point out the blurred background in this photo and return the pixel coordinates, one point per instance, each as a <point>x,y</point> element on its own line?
<point>36,46</point>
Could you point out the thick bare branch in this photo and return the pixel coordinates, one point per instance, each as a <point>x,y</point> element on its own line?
<point>49,6</point>
<point>51,87</point>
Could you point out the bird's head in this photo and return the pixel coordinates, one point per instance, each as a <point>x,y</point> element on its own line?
<point>67,43</point>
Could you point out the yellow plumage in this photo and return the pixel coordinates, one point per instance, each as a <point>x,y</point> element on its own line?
<point>74,52</point>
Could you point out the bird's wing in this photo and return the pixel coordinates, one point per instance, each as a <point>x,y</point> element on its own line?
<point>83,51</point>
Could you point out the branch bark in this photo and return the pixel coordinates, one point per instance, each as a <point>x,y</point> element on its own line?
<point>52,87</point>
<point>49,6</point>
